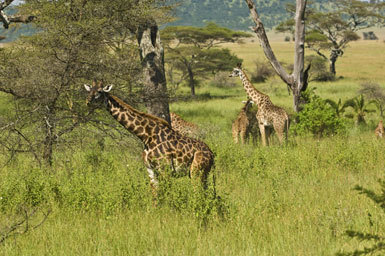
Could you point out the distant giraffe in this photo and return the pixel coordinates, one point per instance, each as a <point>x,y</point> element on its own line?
<point>243,124</point>
<point>183,127</point>
<point>379,130</point>
<point>162,145</point>
<point>268,114</point>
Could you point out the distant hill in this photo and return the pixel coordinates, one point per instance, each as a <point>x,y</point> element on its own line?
<point>232,14</point>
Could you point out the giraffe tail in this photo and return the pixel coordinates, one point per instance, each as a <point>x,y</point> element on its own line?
<point>287,128</point>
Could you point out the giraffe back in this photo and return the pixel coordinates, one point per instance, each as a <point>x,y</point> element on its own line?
<point>184,127</point>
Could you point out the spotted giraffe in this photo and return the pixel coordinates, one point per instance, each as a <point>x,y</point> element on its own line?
<point>183,127</point>
<point>162,145</point>
<point>268,114</point>
<point>379,132</point>
<point>243,125</point>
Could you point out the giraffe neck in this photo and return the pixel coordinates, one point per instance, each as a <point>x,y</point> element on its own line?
<point>138,123</point>
<point>258,97</point>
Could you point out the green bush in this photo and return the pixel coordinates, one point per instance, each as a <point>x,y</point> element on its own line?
<point>318,118</point>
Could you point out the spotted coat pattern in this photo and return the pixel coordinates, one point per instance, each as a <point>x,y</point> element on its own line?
<point>242,125</point>
<point>379,131</point>
<point>268,114</point>
<point>183,127</point>
<point>162,145</point>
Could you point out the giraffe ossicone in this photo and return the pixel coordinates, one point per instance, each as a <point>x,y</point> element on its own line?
<point>162,144</point>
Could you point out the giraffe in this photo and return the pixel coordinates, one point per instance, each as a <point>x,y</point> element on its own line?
<point>268,114</point>
<point>162,145</point>
<point>245,121</point>
<point>183,127</point>
<point>379,132</point>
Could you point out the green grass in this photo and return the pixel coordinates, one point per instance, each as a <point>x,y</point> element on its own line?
<point>297,199</point>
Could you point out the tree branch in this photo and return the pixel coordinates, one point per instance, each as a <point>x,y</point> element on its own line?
<point>14,18</point>
<point>264,41</point>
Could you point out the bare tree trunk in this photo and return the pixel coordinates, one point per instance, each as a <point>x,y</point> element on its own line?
<point>191,81</point>
<point>49,137</point>
<point>152,56</point>
<point>297,81</point>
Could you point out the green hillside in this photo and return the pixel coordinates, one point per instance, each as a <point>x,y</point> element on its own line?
<point>234,14</point>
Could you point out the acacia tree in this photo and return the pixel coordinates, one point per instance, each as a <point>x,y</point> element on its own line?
<point>79,41</point>
<point>297,81</point>
<point>330,33</point>
<point>192,51</point>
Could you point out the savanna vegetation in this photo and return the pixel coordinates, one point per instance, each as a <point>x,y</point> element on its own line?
<point>306,197</point>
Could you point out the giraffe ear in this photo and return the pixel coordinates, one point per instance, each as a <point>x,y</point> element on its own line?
<point>252,102</point>
<point>107,88</point>
<point>244,101</point>
<point>87,87</point>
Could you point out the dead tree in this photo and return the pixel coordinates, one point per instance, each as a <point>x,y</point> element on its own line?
<point>297,81</point>
<point>7,20</point>
<point>154,77</point>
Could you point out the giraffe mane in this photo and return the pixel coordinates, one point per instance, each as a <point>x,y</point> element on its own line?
<point>251,84</point>
<point>154,118</point>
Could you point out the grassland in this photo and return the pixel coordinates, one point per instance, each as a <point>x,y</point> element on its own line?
<point>292,200</point>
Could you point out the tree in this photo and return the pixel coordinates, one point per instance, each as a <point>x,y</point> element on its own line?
<point>192,51</point>
<point>333,31</point>
<point>79,41</point>
<point>360,108</point>
<point>8,19</point>
<point>152,57</point>
<point>297,81</point>
<point>376,94</point>
<point>338,106</point>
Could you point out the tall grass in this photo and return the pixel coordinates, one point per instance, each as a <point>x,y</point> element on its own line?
<point>296,199</point>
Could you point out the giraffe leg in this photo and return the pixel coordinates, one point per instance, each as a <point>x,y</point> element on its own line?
<point>151,175</point>
<point>280,130</point>
<point>199,169</point>
<point>235,137</point>
<point>263,133</point>
<point>243,135</point>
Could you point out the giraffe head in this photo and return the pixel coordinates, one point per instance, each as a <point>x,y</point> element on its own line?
<point>95,91</point>
<point>237,71</point>
<point>248,104</point>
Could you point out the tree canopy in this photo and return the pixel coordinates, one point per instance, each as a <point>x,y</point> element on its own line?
<point>79,41</point>
<point>332,31</point>
<point>192,51</point>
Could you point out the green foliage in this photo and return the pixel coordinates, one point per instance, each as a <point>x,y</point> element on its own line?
<point>318,118</point>
<point>191,51</point>
<point>376,94</point>
<point>338,106</point>
<point>377,241</point>
<point>189,197</point>
<point>360,108</point>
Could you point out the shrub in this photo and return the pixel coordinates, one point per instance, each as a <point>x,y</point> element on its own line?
<point>318,70</point>
<point>262,72</point>
<point>318,118</point>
